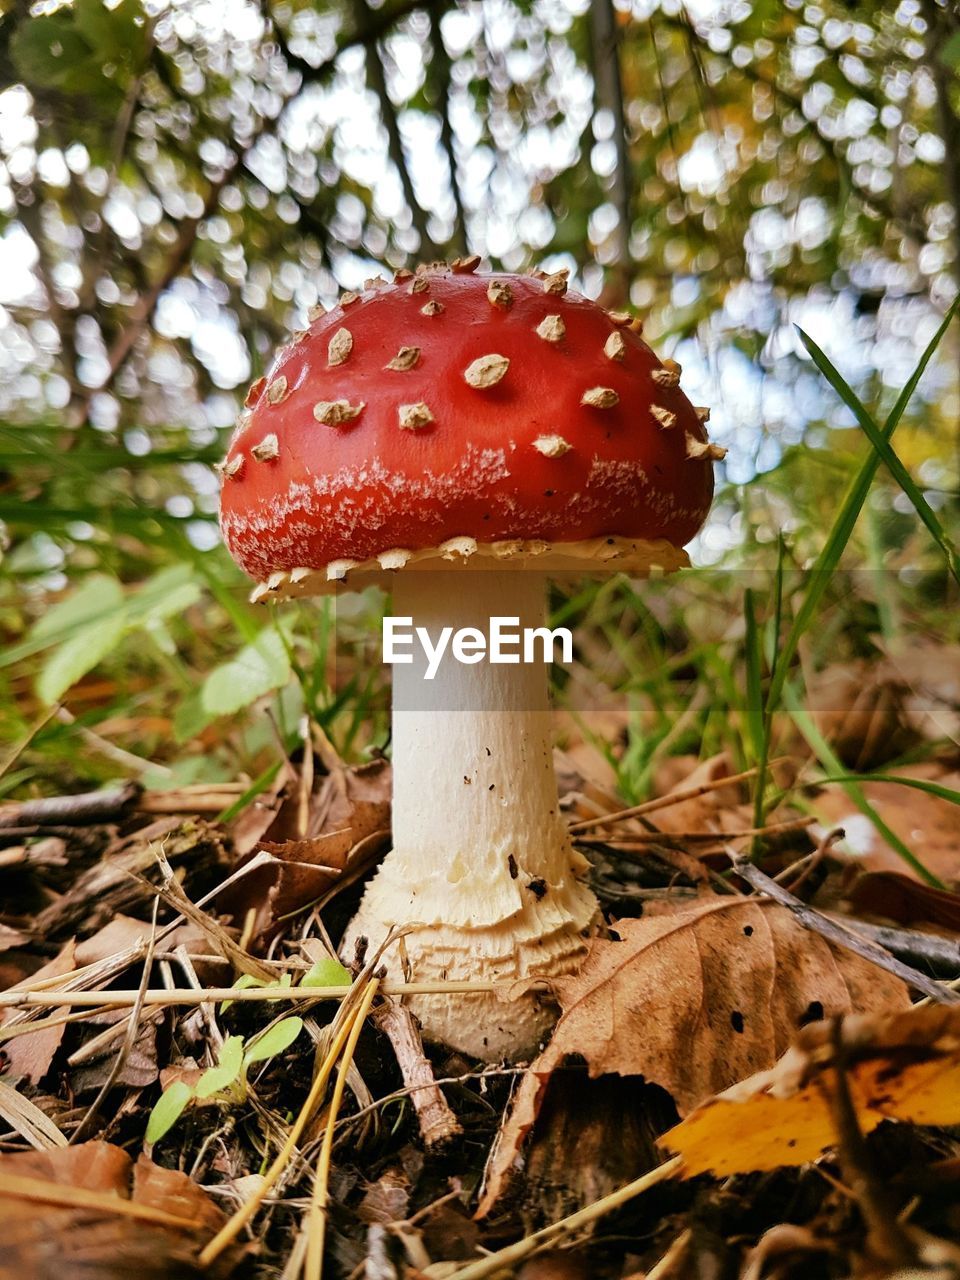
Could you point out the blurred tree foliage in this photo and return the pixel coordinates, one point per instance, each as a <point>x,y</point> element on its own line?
<point>181,180</point>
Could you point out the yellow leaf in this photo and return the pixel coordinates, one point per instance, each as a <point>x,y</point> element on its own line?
<point>901,1066</point>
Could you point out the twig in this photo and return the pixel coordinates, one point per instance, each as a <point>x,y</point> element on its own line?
<point>609,94</point>
<point>438,1124</point>
<point>674,1256</point>
<point>514,1253</point>
<point>888,1239</point>
<point>126,759</point>
<point>26,1119</point>
<point>808,863</point>
<point>172,893</point>
<point>379,1103</point>
<point>838,934</point>
<point>440,64</point>
<point>941,955</point>
<point>20,998</point>
<point>377,81</point>
<point>85,809</point>
<point>667,802</point>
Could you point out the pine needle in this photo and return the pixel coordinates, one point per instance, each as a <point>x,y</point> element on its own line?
<point>39,1191</point>
<point>317,1220</point>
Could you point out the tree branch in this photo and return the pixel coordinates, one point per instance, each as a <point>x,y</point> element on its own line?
<point>377,81</point>
<point>440,67</point>
<point>608,94</point>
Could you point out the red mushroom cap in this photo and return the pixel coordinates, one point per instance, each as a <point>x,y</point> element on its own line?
<point>480,408</point>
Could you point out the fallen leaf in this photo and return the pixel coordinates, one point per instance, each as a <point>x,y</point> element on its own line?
<point>114,884</point>
<point>896,896</point>
<point>139,1067</point>
<point>11,938</point>
<point>119,935</point>
<point>926,824</point>
<point>47,1240</point>
<point>860,709</point>
<point>348,821</point>
<point>729,981</point>
<point>931,673</point>
<point>900,1066</point>
<point>30,1056</point>
<point>723,809</point>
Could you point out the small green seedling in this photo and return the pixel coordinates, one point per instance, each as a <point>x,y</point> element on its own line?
<point>226,1083</point>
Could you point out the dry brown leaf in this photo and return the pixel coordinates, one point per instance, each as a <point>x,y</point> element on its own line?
<point>900,1066</point>
<point>720,810</point>
<point>931,673</point>
<point>349,807</point>
<point>30,1056</point>
<point>121,933</point>
<point>139,1067</point>
<point>860,708</point>
<point>50,1241</point>
<point>927,825</point>
<point>895,896</point>
<point>693,1001</point>
<point>94,1166</point>
<point>10,938</point>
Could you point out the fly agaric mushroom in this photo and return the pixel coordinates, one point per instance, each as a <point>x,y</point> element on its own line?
<point>453,421</point>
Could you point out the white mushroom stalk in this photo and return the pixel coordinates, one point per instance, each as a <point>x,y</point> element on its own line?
<point>482,874</point>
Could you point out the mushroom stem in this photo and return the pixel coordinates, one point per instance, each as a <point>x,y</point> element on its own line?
<point>481,875</point>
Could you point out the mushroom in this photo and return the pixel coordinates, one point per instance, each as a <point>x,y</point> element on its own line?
<point>532,434</point>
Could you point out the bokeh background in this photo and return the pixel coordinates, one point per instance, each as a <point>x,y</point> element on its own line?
<point>181,182</point>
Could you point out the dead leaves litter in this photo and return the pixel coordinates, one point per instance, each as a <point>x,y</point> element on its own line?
<point>692,1000</point>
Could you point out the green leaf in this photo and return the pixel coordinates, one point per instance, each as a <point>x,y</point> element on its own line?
<point>226,1072</point>
<point>166,594</point>
<point>274,1041</point>
<point>90,48</point>
<point>754,661</point>
<point>327,973</point>
<point>49,51</point>
<point>257,668</point>
<point>78,655</point>
<point>243,983</point>
<point>98,598</point>
<point>167,1110</point>
<point>918,784</point>
<point>247,980</point>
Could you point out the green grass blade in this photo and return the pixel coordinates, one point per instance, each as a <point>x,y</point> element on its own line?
<point>754,663</point>
<point>886,452</point>
<point>843,526</point>
<point>829,762</point>
<point>918,784</point>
